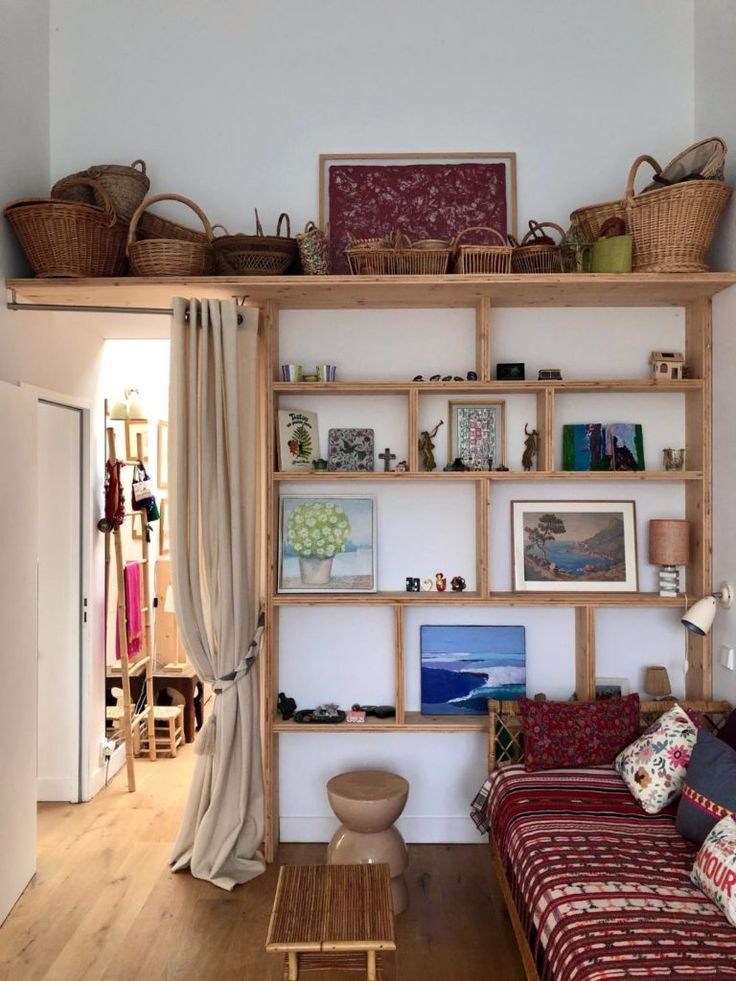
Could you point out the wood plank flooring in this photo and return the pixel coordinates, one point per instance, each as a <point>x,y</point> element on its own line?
<point>105,907</point>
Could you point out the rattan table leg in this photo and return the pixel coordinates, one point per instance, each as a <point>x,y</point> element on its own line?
<point>371,965</point>
<point>293,959</point>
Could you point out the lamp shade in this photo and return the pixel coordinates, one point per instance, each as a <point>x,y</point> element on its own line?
<point>657,682</point>
<point>699,618</point>
<point>669,541</point>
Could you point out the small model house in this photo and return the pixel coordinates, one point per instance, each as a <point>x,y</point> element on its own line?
<point>667,365</point>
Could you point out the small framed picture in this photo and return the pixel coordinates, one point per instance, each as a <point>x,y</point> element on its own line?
<point>477,433</point>
<point>513,371</point>
<point>162,452</point>
<point>133,429</point>
<point>163,527</point>
<point>574,546</point>
<point>611,687</point>
<point>298,439</point>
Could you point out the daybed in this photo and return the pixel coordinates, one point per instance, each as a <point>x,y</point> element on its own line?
<point>596,888</point>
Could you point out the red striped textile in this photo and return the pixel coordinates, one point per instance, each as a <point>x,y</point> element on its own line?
<point>603,889</point>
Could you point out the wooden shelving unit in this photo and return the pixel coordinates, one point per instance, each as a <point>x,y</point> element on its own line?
<point>483,294</point>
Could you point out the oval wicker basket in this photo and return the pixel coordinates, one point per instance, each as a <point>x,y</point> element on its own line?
<point>492,257</point>
<point>169,256</point>
<point>532,256</point>
<point>255,255</point>
<point>69,238</point>
<point>127,186</point>
<point>398,256</point>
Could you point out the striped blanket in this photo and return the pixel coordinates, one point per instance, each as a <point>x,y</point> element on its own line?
<point>603,889</point>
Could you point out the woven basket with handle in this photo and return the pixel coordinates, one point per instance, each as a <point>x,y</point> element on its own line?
<point>535,256</point>
<point>69,238</point>
<point>127,186</point>
<point>491,257</point>
<point>398,256</point>
<point>170,256</point>
<point>255,255</point>
<point>314,251</point>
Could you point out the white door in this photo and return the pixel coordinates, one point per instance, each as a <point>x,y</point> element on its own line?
<point>17,643</point>
<point>60,607</point>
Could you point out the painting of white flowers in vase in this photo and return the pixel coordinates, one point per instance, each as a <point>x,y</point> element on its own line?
<point>327,544</point>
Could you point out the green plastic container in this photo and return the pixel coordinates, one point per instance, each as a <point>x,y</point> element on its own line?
<point>612,255</point>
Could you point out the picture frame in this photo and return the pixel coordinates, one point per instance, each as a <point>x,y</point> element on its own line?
<point>351,450</point>
<point>327,544</point>
<point>477,432</point>
<point>574,546</point>
<point>367,195</point>
<point>611,688</point>
<point>595,446</point>
<point>511,371</point>
<point>164,545</point>
<point>462,666</point>
<point>134,427</point>
<point>298,440</point>
<point>162,455</point>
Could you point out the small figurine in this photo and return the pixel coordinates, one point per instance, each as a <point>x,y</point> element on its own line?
<point>435,378</point>
<point>427,585</point>
<point>402,466</point>
<point>502,469</point>
<point>418,378</point>
<point>531,445</point>
<point>387,456</point>
<point>458,584</point>
<point>457,466</point>
<point>412,584</point>
<point>426,447</point>
<point>440,582</point>
<point>285,706</point>
<point>472,376</point>
<point>667,365</point>
<point>319,464</point>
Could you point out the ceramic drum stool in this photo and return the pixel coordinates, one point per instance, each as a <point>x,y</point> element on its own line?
<point>368,802</point>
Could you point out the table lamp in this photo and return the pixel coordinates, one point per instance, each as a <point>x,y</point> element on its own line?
<point>657,683</point>
<point>669,547</point>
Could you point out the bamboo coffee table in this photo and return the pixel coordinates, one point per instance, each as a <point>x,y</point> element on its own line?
<point>332,917</point>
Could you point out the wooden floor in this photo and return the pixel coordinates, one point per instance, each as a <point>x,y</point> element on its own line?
<point>105,907</point>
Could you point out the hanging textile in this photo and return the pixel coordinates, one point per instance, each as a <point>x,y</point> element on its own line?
<point>114,496</point>
<point>133,611</point>
<point>212,442</point>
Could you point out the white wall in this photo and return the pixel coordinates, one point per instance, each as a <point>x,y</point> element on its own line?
<point>715,114</point>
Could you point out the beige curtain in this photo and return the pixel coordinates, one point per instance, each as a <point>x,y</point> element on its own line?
<point>212,436</point>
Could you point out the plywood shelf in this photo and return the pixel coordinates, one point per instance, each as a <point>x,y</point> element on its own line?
<point>536,476</point>
<point>468,598</point>
<point>582,386</point>
<point>413,722</point>
<point>325,292</point>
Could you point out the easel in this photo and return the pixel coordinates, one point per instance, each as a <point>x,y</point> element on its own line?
<point>129,719</point>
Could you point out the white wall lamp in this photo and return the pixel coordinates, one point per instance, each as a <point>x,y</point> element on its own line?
<point>700,616</point>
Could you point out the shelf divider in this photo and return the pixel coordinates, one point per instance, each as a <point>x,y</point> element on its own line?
<point>483,339</point>
<point>399,663</point>
<point>482,515</point>
<point>546,428</point>
<point>413,459</point>
<point>585,652</point>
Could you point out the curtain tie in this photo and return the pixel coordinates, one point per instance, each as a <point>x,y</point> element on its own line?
<point>205,744</point>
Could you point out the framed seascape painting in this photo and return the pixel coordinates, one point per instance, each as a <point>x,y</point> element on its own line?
<point>583,546</point>
<point>423,195</point>
<point>327,544</point>
<point>464,666</point>
<point>477,433</point>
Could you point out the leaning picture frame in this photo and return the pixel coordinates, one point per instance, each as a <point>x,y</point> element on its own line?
<point>477,433</point>
<point>611,688</point>
<point>424,195</point>
<point>574,546</point>
<point>327,544</point>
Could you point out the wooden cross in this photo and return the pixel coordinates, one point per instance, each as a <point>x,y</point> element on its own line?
<point>387,456</point>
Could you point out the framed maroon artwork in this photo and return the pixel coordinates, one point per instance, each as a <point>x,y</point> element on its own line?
<point>425,196</point>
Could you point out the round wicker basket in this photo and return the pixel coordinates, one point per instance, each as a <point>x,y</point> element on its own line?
<point>169,256</point>
<point>127,186</point>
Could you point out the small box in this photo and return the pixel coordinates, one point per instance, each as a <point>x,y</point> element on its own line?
<point>514,371</point>
<point>356,716</point>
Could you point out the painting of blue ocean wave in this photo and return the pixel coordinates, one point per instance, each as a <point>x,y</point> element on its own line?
<point>464,666</point>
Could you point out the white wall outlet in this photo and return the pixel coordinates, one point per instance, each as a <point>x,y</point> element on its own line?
<point>727,657</point>
<point>107,748</point>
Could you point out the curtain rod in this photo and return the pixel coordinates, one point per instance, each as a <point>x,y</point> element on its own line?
<point>77,308</point>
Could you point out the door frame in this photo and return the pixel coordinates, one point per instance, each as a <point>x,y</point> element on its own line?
<point>87,491</point>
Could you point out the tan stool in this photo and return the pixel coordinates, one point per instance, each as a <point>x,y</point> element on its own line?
<point>368,802</point>
<point>168,721</point>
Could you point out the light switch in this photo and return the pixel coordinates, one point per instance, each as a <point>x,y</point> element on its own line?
<point>727,657</point>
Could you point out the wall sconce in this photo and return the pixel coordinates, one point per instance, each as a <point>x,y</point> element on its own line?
<point>669,547</point>
<point>700,616</point>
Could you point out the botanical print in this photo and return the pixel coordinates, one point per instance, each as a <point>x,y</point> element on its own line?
<point>298,439</point>
<point>593,446</point>
<point>464,666</point>
<point>583,544</point>
<point>327,544</point>
<point>477,433</point>
<point>350,450</point>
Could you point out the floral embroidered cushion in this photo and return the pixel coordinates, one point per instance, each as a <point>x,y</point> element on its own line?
<point>572,734</point>
<point>654,766</point>
<point>714,870</point>
<point>709,789</point>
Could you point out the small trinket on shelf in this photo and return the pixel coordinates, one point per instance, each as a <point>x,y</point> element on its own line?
<point>285,706</point>
<point>458,584</point>
<point>291,372</point>
<point>667,366</point>
<point>319,464</point>
<point>310,378</point>
<point>502,469</point>
<point>673,459</point>
<point>356,716</point>
<point>418,378</point>
<point>435,378</point>
<point>457,466</point>
<point>549,374</point>
<point>426,448</point>
<point>510,371</point>
<point>387,456</point>
<point>427,585</point>
<point>531,445</point>
<point>412,584</point>
<point>440,582</point>
<point>472,376</point>
<point>326,372</point>
<point>402,466</point>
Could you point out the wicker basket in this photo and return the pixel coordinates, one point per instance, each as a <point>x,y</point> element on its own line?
<point>127,186</point>
<point>482,258</point>
<point>156,226</point>
<point>673,226</point>
<point>533,256</point>
<point>255,255</point>
<point>68,238</point>
<point>398,257</point>
<point>170,256</point>
<point>706,159</point>
<point>314,251</point>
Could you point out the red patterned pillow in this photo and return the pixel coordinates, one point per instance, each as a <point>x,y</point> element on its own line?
<point>567,734</point>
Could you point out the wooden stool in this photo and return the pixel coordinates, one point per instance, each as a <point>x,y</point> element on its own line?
<point>368,802</point>
<point>332,917</point>
<point>168,721</point>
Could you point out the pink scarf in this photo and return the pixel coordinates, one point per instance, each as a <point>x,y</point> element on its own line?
<point>133,611</point>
